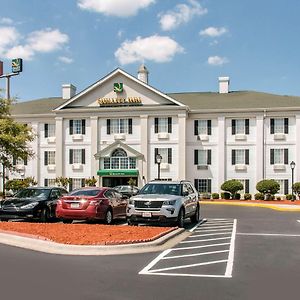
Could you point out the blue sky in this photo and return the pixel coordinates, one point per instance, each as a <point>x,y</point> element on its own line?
<point>185,44</point>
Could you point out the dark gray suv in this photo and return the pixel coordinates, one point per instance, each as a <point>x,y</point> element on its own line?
<point>164,202</point>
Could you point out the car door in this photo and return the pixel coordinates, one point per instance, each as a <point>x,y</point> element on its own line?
<point>193,197</point>
<point>186,198</point>
<point>122,203</point>
<point>110,195</point>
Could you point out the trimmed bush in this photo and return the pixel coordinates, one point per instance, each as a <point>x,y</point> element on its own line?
<point>236,196</point>
<point>215,195</point>
<point>206,196</point>
<point>289,197</point>
<point>296,188</point>
<point>268,186</point>
<point>225,195</point>
<point>247,196</point>
<point>232,186</point>
<point>278,198</point>
<point>259,196</point>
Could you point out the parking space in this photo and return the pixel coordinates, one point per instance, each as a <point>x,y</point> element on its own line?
<point>207,252</point>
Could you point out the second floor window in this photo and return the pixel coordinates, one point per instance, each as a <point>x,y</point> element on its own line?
<point>166,154</point>
<point>202,127</point>
<point>49,130</point>
<point>240,156</point>
<point>163,125</point>
<point>115,126</point>
<point>77,156</point>
<point>202,157</point>
<point>49,158</point>
<point>19,161</point>
<point>77,127</point>
<point>240,126</point>
<point>279,156</point>
<point>279,125</point>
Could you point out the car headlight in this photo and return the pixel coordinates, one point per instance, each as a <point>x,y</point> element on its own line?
<point>30,205</point>
<point>169,202</point>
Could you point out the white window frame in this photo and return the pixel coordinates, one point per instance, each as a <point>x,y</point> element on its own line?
<point>279,125</point>
<point>77,126</point>
<point>202,127</point>
<point>50,157</point>
<point>240,156</point>
<point>118,126</point>
<point>77,156</point>
<point>278,156</point>
<point>240,127</point>
<point>51,130</point>
<point>162,125</point>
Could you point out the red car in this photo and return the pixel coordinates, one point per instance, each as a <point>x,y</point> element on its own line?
<point>91,203</point>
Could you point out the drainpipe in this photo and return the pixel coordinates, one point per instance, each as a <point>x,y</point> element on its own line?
<point>264,145</point>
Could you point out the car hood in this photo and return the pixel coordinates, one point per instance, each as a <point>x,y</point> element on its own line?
<point>155,197</point>
<point>18,202</point>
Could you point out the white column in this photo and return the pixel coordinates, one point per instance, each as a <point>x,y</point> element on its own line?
<point>59,152</point>
<point>182,146</point>
<point>297,169</point>
<point>36,159</point>
<point>94,146</point>
<point>260,149</point>
<point>221,151</point>
<point>144,149</point>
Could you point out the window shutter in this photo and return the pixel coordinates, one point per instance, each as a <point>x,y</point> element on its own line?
<point>155,125</point>
<point>83,156</point>
<point>25,161</point>
<point>272,126</point>
<point>286,186</point>
<point>46,130</point>
<point>169,155</point>
<point>71,185</point>
<point>286,125</point>
<point>45,182</point>
<point>82,182</point>
<point>247,156</point>
<point>169,125</point>
<point>209,157</point>
<point>246,126</point>
<point>83,126</point>
<point>208,127</point>
<point>155,154</point>
<point>233,157</point>
<point>272,157</point>
<point>286,156</point>
<point>246,186</point>
<point>46,158</point>
<point>196,127</point>
<point>71,127</point>
<point>209,185</point>
<point>195,157</point>
<point>233,127</point>
<point>71,156</point>
<point>108,126</point>
<point>196,184</point>
<point>129,126</point>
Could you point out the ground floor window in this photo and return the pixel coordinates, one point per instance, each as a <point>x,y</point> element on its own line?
<point>203,185</point>
<point>76,183</point>
<point>49,182</point>
<point>245,183</point>
<point>284,186</point>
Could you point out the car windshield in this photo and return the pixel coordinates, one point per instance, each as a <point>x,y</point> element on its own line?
<point>158,188</point>
<point>85,192</point>
<point>39,194</point>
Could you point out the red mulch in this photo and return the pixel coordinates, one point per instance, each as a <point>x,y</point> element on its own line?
<point>296,202</point>
<point>85,234</point>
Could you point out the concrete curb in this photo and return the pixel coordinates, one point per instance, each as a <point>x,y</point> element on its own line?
<point>279,207</point>
<point>160,244</point>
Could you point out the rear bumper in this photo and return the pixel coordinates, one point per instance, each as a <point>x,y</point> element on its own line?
<point>77,214</point>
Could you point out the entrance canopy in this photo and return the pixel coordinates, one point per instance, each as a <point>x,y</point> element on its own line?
<point>118,172</point>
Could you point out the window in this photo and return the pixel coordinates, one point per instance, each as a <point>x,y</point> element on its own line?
<point>77,127</point>
<point>284,186</point>
<point>279,125</point>
<point>115,126</point>
<point>163,125</point>
<point>203,185</point>
<point>202,127</point>
<point>49,130</point>
<point>49,158</point>
<point>240,126</point>
<point>119,160</point>
<point>202,157</point>
<point>166,154</point>
<point>19,161</point>
<point>279,156</point>
<point>49,182</point>
<point>245,183</point>
<point>240,156</point>
<point>76,183</point>
<point>77,156</point>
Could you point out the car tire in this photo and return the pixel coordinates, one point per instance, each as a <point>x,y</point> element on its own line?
<point>45,215</point>
<point>196,217</point>
<point>180,218</point>
<point>67,221</point>
<point>108,219</point>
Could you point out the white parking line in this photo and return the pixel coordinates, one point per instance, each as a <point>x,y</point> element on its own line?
<point>198,247</point>
<point>206,240</point>
<point>195,254</point>
<point>209,234</point>
<point>228,272</point>
<point>209,230</point>
<point>269,234</point>
<point>217,227</point>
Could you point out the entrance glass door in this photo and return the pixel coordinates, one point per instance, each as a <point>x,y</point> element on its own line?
<point>114,181</point>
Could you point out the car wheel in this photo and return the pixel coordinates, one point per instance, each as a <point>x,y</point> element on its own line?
<point>67,221</point>
<point>180,218</point>
<point>196,217</point>
<point>45,215</point>
<point>108,217</point>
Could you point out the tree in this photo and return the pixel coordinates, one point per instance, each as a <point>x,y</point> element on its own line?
<point>14,139</point>
<point>91,181</point>
<point>268,187</point>
<point>18,184</point>
<point>232,186</point>
<point>296,188</point>
<point>62,181</point>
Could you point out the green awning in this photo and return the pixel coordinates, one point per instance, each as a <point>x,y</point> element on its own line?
<point>118,172</point>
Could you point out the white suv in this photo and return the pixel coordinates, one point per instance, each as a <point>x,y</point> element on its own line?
<point>164,202</point>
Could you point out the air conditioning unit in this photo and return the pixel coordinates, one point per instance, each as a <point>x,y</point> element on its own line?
<point>51,167</point>
<point>77,137</point>
<point>202,167</point>
<point>164,166</point>
<point>119,136</point>
<point>240,137</point>
<point>279,167</point>
<point>241,167</point>
<point>203,137</point>
<point>279,136</point>
<point>163,135</point>
<point>51,139</point>
<point>77,167</point>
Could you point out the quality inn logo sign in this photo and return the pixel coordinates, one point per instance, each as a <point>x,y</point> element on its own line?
<point>118,87</point>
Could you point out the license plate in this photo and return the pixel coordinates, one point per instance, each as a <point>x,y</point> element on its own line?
<point>74,205</point>
<point>146,214</point>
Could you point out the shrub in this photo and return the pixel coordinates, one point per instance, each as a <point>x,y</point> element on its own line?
<point>90,181</point>
<point>289,197</point>
<point>205,196</point>
<point>296,188</point>
<point>278,198</point>
<point>236,196</point>
<point>247,196</point>
<point>268,186</point>
<point>18,184</point>
<point>232,186</point>
<point>259,196</point>
<point>215,195</point>
<point>225,195</point>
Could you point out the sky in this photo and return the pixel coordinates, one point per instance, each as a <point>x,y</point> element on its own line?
<point>185,44</point>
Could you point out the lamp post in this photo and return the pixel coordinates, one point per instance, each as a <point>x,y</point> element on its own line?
<point>292,165</point>
<point>158,161</point>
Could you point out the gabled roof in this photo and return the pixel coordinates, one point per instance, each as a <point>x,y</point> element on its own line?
<point>109,76</point>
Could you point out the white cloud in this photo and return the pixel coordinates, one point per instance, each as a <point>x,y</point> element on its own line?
<point>120,33</point>
<point>6,21</point>
<point>156,48</point>
<point>217,60</point>
<point>65,59</point>
<point>118,8</point>
<point>12,44</point>
<point>213,31</point>
<point>181,14</point>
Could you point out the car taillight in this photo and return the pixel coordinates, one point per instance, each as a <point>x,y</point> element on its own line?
<point>95,202</point>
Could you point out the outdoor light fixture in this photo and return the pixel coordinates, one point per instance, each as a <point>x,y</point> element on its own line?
<point>293,165</point>
<point>158,161</point>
